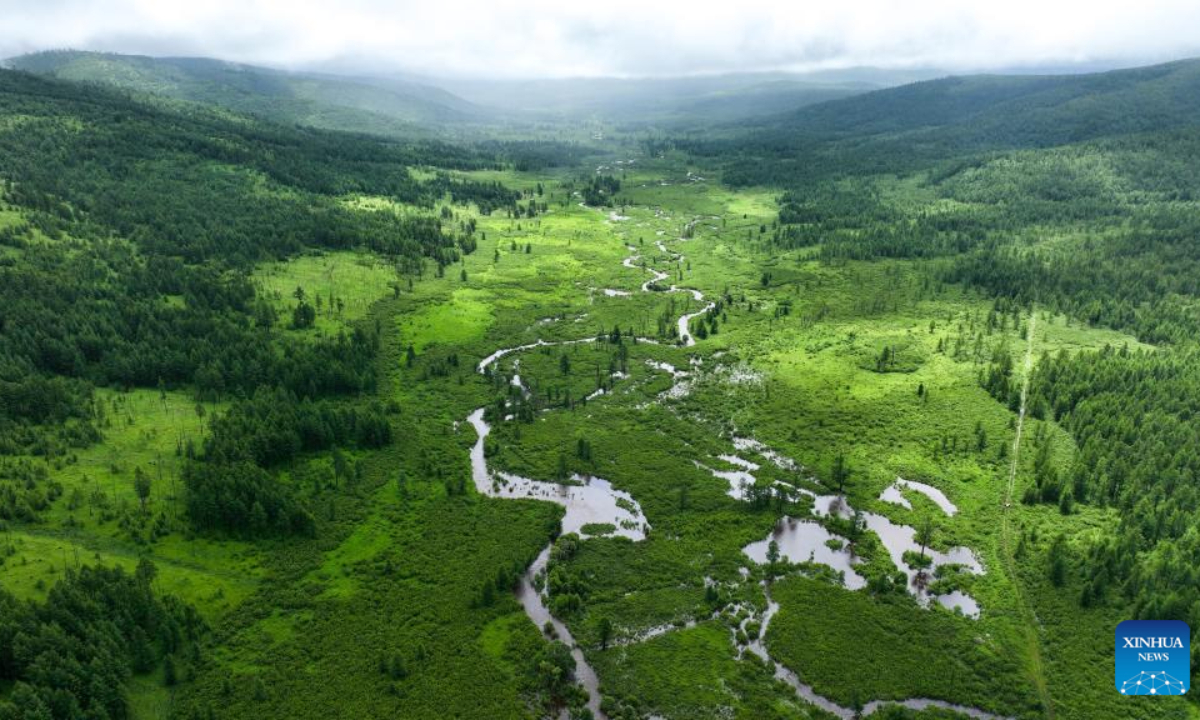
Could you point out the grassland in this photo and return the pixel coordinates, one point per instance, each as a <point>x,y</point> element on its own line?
<point>142,429</point>
<point>342,286</point>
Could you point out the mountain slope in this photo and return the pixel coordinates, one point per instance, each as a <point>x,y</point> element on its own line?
<point>1019,110</point>
<point>143,170</point>
<point>914,126</point>
<point>390,107</point>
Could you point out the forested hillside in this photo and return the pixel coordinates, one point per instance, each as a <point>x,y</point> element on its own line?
<point>130,232</point>
<point>134,227</point>
<point>133,238</point>
<point>912,127</point>
<point>381,107</point>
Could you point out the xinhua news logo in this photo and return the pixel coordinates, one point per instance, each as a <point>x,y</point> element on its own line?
<point>1153,657</point>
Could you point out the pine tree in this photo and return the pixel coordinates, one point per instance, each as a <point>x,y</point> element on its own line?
<point>141,485</point>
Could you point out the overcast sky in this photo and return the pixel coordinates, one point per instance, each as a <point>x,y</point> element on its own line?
<point>537,38</point>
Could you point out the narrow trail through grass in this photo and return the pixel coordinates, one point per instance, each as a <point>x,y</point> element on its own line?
<point>1016,449</point>
<point>1031,622</point>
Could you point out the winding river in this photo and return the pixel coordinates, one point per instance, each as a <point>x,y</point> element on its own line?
<point>592,500</point>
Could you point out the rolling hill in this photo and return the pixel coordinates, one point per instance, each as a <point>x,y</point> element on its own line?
<point>383,107</point>
<point>913,126</point>
<point>1017,110</point>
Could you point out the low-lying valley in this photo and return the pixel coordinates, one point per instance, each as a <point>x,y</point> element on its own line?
<point>302,424</point>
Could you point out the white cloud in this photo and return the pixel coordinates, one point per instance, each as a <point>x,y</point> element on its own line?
<point>535,38</point>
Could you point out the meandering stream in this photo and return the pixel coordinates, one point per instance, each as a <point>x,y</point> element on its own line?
<point>808,540</point>
<point>759,648</point>
<point>592,500</point>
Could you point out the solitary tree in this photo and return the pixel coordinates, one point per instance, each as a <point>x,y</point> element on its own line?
<point>146,571</point>
<point>925,535</point>
<point>605,629</point>
<point>303,316</point>
<point>840,473</point>
<point>857,525</point>
<point>1058,561</point>
<point>141,485</point>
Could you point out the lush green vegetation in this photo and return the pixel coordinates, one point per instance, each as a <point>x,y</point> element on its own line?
<point>911,651</point>
<point>1141,470</point>
<point>70,656</point>
<point>380,108</point>
<point>236,362</point>
<point>954,120</point>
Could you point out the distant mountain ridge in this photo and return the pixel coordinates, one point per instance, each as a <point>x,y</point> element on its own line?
<point>399,105</point>
<point>383,107</point>
<point>900,129</point>
<point>782,111</point>
<point>1024,109</point>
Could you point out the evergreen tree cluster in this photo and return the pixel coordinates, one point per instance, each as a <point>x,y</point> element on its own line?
<point>1136,419</point>
<point>231,489</point>
<point>70,656</point>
